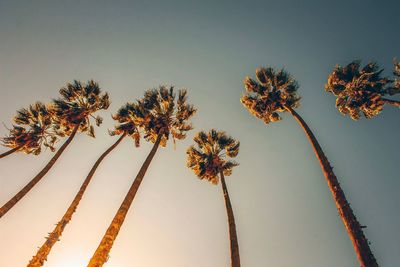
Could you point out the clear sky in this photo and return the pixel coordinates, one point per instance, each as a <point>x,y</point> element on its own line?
<point>284,211</point>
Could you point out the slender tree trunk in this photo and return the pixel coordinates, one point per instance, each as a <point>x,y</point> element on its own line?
<point>235,258</point>
<point>391,102</point>
<point>9,152</point>
<point>14,200</point>
<point>43,252</point>
<point>101,254</point>
<point>353,227</point>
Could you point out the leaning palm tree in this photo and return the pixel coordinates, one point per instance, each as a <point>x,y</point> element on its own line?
<point>127,126</point>
<point>71,113</point>
<point>276,91</point>
<point>32,129</point>
<point>160,117</point>
<point>362,90</point>
<point>210,160</point>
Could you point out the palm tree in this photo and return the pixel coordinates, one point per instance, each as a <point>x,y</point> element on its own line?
<point>209,159</point>
<point>32,129</point>
<point>160,117</point>
<point>127,126</point>
<point>276,91</point>
<point>362,90</point>
<point>71,114</point>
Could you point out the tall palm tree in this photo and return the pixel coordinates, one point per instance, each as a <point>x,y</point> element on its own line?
<point>160,117</point>
<point>71,113</point>
<point>33,129</point>
<point>127,126</point>
<point>363,90</point>
<point>210,158</point>
<point>276,91</point>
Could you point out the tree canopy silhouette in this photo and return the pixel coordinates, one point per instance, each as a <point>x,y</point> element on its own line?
<point>33,129</point>
<point>270,94</point>
<point>362,90</point>
<point>212,155</point>
<point>77,105</point>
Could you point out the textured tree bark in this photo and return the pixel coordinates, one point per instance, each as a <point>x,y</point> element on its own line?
<point>391,102</point>
<point>235,258</point>
<point>100,256</point>
<point>14,200</point>
<point>43,252</point>
<point>9,152</point>
<point>360,242</point>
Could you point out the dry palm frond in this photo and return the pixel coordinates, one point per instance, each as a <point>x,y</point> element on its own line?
<point>162,114</point>
<point>77,105</point>
<point>270,93</point>
<point>129,118</point>
<point>33,129</point>
<point>361,90</point>
<point>211,154</point>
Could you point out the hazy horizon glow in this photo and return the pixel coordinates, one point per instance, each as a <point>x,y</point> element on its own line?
<point>284,211</point>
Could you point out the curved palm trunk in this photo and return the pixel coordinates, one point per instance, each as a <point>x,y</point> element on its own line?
<point>391,102</point>
<point>9,152</point>
<point>43,252</point>
<point>14,200</point>
<point>100,256</point>
<point>235,258</point>
<point>353,227</point>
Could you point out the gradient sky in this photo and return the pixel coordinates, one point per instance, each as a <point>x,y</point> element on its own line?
<point>284,211</point>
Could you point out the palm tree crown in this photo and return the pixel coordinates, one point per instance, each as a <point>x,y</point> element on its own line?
<point>130,118</point>
<point>33,129</point>
<point>270,93</point>
<point>361,90</point>
<point>161,115</point>
<point>76,106</point>
<point>212,155</point>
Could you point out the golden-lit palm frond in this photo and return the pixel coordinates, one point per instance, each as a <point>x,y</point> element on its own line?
<point>360,90</point>
<point>270,93</point>
<point>211,153</point>
<point>77,105</point>
<point>33,129</point>
<point>163,114</point>
<point>396,72</point>
<point>130,120</point>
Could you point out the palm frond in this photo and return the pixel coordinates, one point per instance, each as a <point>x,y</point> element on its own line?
<point>162,113</point>
<point>77,104</point>
<point>271,93</point>
<point>359,90</point>
<point>211,153</point>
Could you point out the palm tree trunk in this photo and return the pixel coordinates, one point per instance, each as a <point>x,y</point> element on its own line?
<point>391,102</point>
<point>100,256</point>
<point>9,152</point>
<point>14,200</point>
<point>235,258</point>
<point>43,252</point>
<point>360,242</point>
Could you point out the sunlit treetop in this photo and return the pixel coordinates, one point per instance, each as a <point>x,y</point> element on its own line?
<point>165,114</point>
<point>32,130</point>
<point>271,92</point>
<point>212,154</point>
<point>131,117</point>
<point>77,105</point>
<point>361,90</point>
